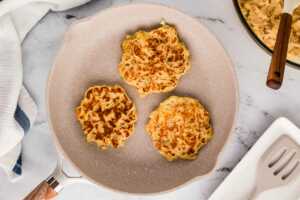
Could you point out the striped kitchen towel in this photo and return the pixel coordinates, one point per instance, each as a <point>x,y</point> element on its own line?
<point>17,108</point>
<point>24,116</point>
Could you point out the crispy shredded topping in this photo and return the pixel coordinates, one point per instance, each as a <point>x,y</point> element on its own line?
<point>154,61</point>
<point>179,127</point>
<point>107,116</point>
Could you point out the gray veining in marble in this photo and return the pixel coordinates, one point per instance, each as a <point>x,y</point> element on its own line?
<point>259,105</point>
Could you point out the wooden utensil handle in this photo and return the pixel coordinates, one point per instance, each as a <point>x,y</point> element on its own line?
<point>276,70</point>
<point>42,192</point>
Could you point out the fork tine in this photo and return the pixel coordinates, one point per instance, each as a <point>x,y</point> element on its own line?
<point>294,167</point>
<point>277,157</point>
<point>283,162</point>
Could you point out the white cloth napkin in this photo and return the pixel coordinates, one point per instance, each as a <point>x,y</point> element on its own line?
<point>17,108</point>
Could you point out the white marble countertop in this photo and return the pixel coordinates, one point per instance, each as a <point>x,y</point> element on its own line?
<point>259,105</point>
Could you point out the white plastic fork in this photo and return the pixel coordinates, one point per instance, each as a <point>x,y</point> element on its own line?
<point>278,166</point>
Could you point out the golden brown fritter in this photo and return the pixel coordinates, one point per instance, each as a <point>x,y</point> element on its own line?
<point>179,127</point>
<point>154,61</point>
<point>107,116</point>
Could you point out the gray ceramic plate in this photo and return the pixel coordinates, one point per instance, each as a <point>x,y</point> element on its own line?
<point>90,55</point>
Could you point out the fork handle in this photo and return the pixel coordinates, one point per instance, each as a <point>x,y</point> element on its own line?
<point>276,69</point>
